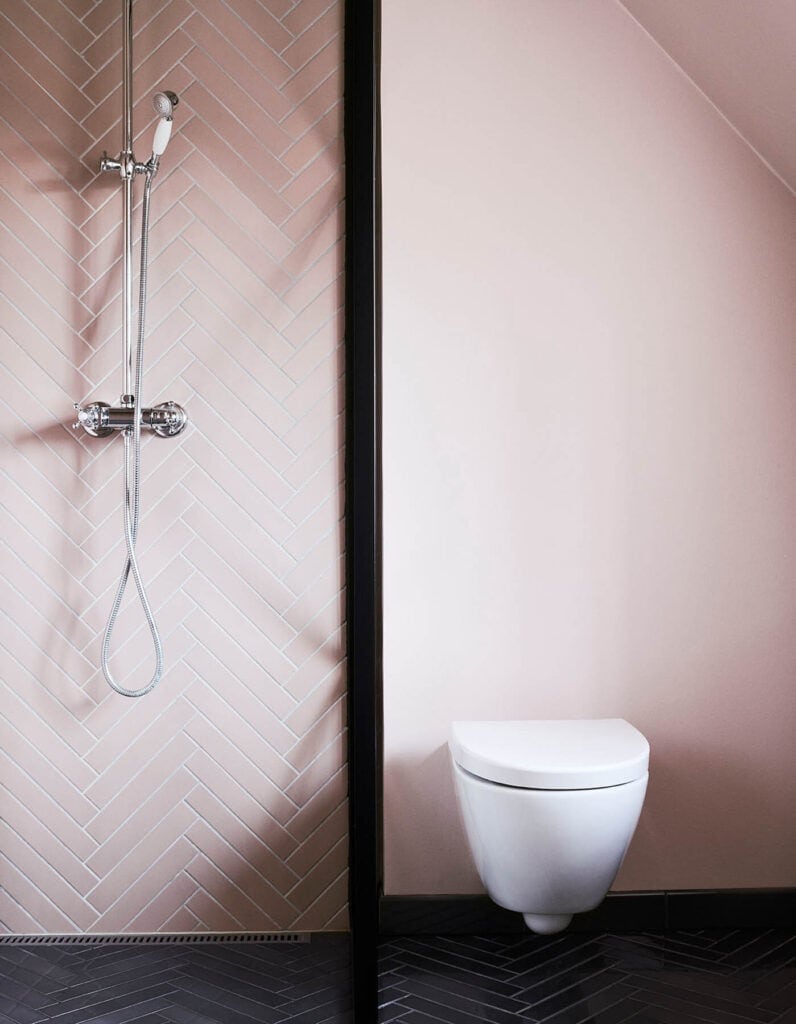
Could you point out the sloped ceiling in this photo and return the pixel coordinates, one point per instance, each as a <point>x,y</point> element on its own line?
<point>742,55</point>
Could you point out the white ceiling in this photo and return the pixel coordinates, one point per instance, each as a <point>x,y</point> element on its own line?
<point>742,55</point>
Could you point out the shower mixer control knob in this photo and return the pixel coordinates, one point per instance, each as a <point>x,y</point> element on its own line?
<point>168,419</point>
<point>93,419</point>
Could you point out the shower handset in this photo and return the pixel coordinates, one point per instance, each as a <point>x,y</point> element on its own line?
<point>164,104</point>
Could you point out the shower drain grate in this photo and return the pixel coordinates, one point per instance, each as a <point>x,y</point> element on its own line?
<point>171,938</point>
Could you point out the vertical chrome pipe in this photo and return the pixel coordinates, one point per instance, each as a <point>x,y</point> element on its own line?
<point>127,180</point>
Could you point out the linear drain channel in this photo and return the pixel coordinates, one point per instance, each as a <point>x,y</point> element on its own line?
<point>172,938</point>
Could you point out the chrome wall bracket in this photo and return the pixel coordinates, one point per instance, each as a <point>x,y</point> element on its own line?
<point>100,419</point>
<point>125,165</point>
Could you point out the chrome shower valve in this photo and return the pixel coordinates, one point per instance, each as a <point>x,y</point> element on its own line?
<point>100,419</point>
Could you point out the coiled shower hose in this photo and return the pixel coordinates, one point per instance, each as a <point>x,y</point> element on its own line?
<point>132,488</point>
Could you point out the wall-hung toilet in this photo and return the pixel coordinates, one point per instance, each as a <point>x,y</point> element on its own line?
<point>549,808</point>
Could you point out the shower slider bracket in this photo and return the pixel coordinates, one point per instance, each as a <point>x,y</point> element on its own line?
<point>100,419</point>
<point>126,165</point>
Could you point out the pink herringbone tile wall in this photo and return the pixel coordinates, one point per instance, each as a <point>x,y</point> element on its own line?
<point>219,801</point>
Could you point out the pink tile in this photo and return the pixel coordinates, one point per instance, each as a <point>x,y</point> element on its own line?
<point>141,821</point>
<point>222,149</point>
<point>219,657</point>
<point>240,348</point>
<point>249,281</point>
<point>167,908</point>
<point>318,524</point>
<point>318,736</point>
<point>330,831</point>
<point>317,362</point>
<point>130,794</point>
<point>312,106</point>
<point>57,132</point>
<point>304,14</point>
<point>319,771</point>
<point>215,570</point>
<point>241,772</point>
<point>27,172</point>
<point>166,870</point>
<point>222,36</point>
<point>48,844</point>
<point>59,21</point>
<point>330,867</point>
<point>322,802</point>
<point>169,723</point>
<point>329,906</point>
<point>326,447</point>
<point>39,905</point>
<point>319,240</point>
<point>243,519</point>
<point>225,892</point>
<point>129,869</point>
<point>318,700</point>
<point>246,317</point>
<point>239,800</point>
<point>231,83</point>
<point>258,417</point>
<point>317,35</point>
<point>213,917</point>
<point>238,240</point>
<point>325,553</point>
<point>60,264</point>
<point>326,61</point>
<point>244,631</point>
<point>36,803</point>
<point>58,79</point>
<point>234,863</point>
<point>249,844</point>
<point>260,22</point>
<point>230,546</point>
<point>15,920</point>
<point>322,624</point>
<point>231,719</point>
<point>29,720</point>
<point>237,202</point>
<point>181,920</point>
<point>313,137</point>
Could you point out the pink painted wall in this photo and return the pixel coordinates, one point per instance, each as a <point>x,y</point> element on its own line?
<point>589,413</point>
<point>218,802</point>
<point>740,53</point>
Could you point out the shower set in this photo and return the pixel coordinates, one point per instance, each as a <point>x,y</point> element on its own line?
<point>129,416</point>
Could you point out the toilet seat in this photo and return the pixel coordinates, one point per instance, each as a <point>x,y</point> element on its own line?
<point>560,754</point>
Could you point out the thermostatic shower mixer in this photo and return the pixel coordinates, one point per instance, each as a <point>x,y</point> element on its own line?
<point>100,419</point>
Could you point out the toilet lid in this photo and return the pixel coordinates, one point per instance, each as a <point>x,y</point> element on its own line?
<point>564,754</point>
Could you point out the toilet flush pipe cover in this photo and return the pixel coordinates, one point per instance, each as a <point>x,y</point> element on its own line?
<point>561,754</point>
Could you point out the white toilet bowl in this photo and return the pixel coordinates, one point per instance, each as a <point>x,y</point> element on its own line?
<point>549,808</point>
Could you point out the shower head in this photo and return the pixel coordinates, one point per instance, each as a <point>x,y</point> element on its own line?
<point>164,103</point>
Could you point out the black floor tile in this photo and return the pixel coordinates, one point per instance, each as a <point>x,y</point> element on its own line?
<point>182,983</point>
<point>703,977</point>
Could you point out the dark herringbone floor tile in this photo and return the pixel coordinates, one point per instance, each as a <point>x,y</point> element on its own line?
<point>218,983</point>
<point>707,977</point>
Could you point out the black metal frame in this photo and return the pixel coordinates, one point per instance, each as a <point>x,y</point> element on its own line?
<point>363,492</point>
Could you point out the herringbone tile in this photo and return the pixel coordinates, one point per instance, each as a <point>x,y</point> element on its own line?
<point>219,801</point>
<point>732,977</point>
<point>218,983</point>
